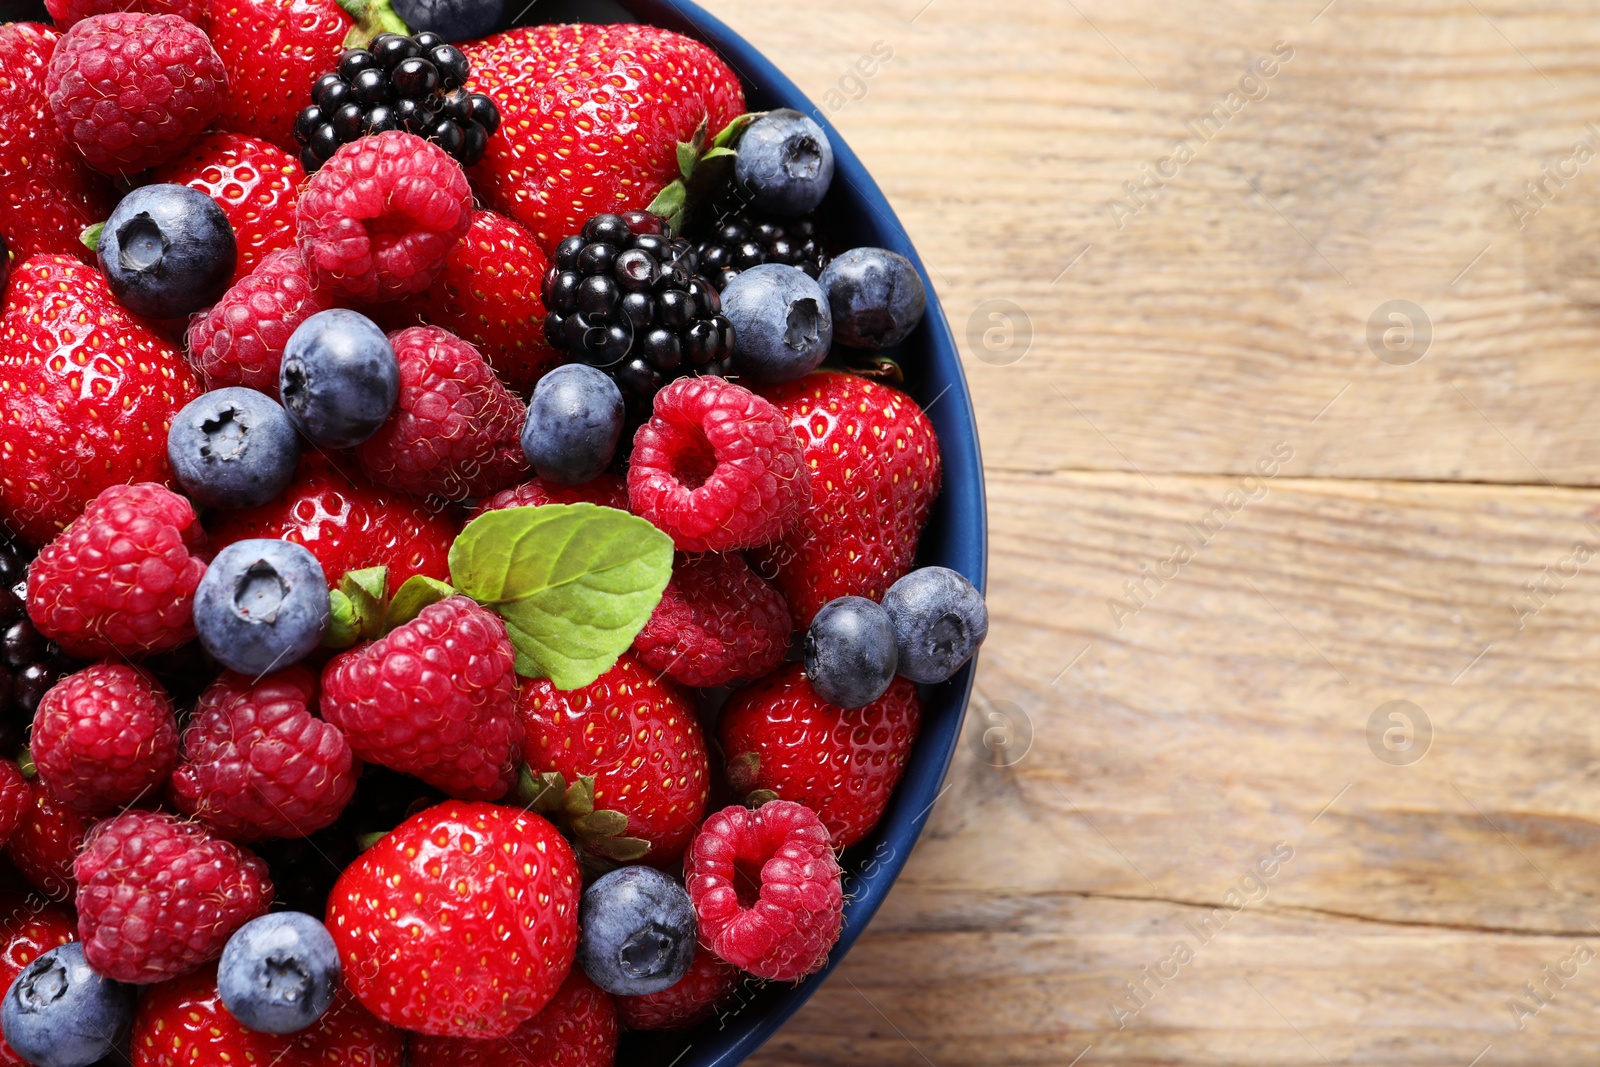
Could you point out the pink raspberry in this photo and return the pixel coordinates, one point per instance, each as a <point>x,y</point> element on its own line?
<point>717,467</point>
<point>435,698</point>
<point>68,13</point>
<point>16,800</point>
<point>258,764</point>
<point>121,579</point>
<point>130,91</point>
<point>159,896</point>
<point>104,737</point>
<point>240,341</point>
<point>783,928</point>
<point>717,622</point>
<point>455,432</point>
<point>607,490</point>
<point>690,1000</point>
<point>380,217</point>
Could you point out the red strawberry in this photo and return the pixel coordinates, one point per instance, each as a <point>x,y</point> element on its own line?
<point>16,799</point>
<point>607,490</point>
<point>780,736</point>
<point>32,928</point>
<point>708,985</point>
<point>258,764</point>
<point>435,698</point>
<point>47,195</point>
<point>874,463</point>
<point>455,431</point>
<point>489,294</point>
<point>578,1028</point>
<point>717,622</point>
<point>183,1023</point>
<point>159,896</point>
<point>638,736</point>
<point>347,524</point>
<point>87,394</point>
<point>255,184</point>
<point>47,842</point>
<point>461,922</point>
<point>274,50</point>
<point>592,118</point>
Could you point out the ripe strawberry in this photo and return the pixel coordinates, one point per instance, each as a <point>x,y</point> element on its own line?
<point>47,195</point>
<point>159,896</point>
<point>104,737</point>
<point>16,799</point>
<point>607,490</point>
<point>255,183</point>
<point>47,842</point>
<point>32,928</point>
<point>347,524</point>
<point>489,294</point>
<point>592,118</point>
<point>767,889</point>
<point>708,985</point>
<point>717,622</point>
<point>874,463</point>
<point>240,340</point>
<point>87,394</point>
<point>461,922</point>
<point>258,764</point>
<point>578,1028</point>
<point>435,698</point>
<point>183,1023</point>
<point>455,431</point>
<point>640,739</point>
<point>122,579</point>
<point>274,50</point>
<point>780,736</point>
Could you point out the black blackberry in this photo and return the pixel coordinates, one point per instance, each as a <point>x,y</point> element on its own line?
<point>748,239</point>
<point>29,664</point>
<point>627,296</point>
<point>397,83</point>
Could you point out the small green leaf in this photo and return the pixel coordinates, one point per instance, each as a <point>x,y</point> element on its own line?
<point>579,800</point>
<point>344,628</point>
<point>687,157</point>
<point>669,203</point>
<point>719,153</point>
<point>730,134</point>
<point>601,823</point>
<point>760,797</point>
<point>742,771</point>
<point>575,583</point>
<point>25,764</point>
<point>417,593</point>
<point>91,236</point>
<point>366,841</point>
<point>620,849</point>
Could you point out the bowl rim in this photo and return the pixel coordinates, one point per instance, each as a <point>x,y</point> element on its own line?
<point>961,514</point>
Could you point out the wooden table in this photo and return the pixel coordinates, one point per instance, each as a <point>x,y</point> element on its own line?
<point>1241,502</point>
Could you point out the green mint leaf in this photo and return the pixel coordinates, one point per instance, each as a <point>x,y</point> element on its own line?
<point>575,583</point>
<point>91,236</point>
<point>417,593</point>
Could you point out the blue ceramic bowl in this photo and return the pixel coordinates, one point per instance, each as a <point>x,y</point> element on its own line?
<point>956,537</point>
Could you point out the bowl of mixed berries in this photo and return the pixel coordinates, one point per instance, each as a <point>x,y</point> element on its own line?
<point>493,537</point>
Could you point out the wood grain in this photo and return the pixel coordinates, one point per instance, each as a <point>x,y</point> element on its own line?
<point>1424,534</point>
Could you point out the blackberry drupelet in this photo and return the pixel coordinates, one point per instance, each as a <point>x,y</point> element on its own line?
<point>745,239</point>
<point>627,296</point>
<point>397,83</point>
<point>29,664</point>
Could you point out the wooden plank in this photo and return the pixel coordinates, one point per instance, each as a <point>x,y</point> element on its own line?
<point>1225,724</point>
<point>1375,165</point>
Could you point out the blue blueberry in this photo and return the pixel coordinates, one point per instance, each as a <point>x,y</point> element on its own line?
<point>637,931</point>
<point>574,423</point>
<point>876,297</point>
<point>785,163</point>
<point>167,251</point>
<point>454,20</point>
<point>262,605</point>
<point>340,378</point>
<point>782,326</point>
<point>850,652</point>
<point>60,1013</point>
<point>233,448</point>
<point>279,973</point>
<point>939,620</point>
